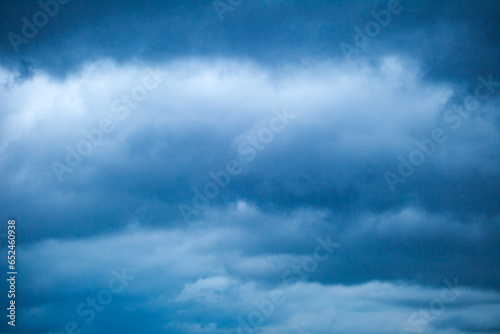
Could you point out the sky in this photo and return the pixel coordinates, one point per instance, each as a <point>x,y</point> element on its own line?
<point>242,166</point>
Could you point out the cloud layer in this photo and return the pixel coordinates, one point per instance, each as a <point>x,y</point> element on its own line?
<point>173,170</point>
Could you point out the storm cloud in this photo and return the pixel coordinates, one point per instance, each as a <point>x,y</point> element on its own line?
<point>241,166</point>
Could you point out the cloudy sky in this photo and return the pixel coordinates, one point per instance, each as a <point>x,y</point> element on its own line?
<point>251,166</point>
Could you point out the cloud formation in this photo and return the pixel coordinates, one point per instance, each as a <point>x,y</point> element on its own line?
<point>240,175</point>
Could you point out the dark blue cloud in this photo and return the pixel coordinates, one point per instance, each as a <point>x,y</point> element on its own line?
<point>206,157</point>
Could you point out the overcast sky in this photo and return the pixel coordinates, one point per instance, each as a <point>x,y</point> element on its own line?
<point>242,166</point>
